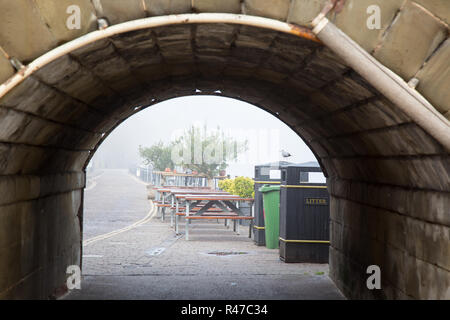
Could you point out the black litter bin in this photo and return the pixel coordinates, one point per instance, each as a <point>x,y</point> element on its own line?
<point>262,177</point>
<point>304,215</point>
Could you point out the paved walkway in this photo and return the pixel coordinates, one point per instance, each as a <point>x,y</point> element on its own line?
<point>150,262</point>
<point>113,199</point>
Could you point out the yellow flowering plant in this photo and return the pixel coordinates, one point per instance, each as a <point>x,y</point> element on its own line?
<point>241,186</point>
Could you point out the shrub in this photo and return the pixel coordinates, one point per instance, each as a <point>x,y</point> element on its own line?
<point>226,185</point>
<point>241,186</point>
<point>244,187</point>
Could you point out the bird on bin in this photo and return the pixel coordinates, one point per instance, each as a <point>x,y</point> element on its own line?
<point>285,154</point>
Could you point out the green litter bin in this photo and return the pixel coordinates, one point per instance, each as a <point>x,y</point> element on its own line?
<point>271,200</point>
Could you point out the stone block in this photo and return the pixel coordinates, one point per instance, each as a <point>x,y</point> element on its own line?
<point>303,12</point>
<point>253,37</point>
<point>164,7</point>
<point>408,43</point>
<point>70,77</point>
<point>429,242</point>
<point>40,132</point>
<point>352,20</point>
<point>6,69</point>
<point>336,235</point>
<point>13,125</point>
<point>426,281</point>
<point>434,79</point>
<point>392,269</point>
<point>27,187</point>
<point>325,66</point>
<point>342,93</point>
<point>55,16</point>
<point>10,217</point>
<point>32,288</point>
<point>440,8</point>
<point>396,230</point>
<point>23,33</point>
<point>10,266</point>
<point>229,6</point>
<point>319,150</point>
<point>21,95</point>
<point>274,9</point>
<point>117,11</point>
<point>8,189</point>
<point>430,206</point>
<point>213,42</point>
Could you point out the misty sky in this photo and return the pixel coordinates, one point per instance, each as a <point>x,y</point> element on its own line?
<point>266,134</point>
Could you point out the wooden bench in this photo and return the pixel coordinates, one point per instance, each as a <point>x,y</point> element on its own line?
<point>214,211</point>
<point>234,218</point>
<point>208,213</point>
<point>192,210</point>
<point>195,209</point>
<point>163,212</point>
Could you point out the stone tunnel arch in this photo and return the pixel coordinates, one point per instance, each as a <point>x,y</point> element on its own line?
<point>389,179</point>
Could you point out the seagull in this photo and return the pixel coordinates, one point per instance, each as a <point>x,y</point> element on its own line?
<point>285,154</point>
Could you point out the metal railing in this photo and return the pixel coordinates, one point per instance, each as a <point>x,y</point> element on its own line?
<point>162,178</point>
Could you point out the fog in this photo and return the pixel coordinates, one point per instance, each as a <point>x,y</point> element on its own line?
<point>266,135</point>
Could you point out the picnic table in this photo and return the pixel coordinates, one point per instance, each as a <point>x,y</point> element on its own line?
<point>225,202</point>
<point>161,200</point>
<point>168,195</point>
<point>179,195</point>
<point>200,204</point>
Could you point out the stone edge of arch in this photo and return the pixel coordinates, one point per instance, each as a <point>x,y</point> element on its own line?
<point>418,108</point>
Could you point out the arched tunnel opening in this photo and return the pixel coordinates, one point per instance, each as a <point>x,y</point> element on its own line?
<point>388,175</point>
<point>129,248</point>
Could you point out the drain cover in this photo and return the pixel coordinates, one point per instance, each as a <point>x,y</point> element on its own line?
<point>155,251</point>
<point>226,253</point>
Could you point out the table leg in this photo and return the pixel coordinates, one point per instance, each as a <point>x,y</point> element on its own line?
<point>187,221</point>
<point>233,207</point>
<point>163,198</point>
<point>174,213</point>
<point>171,210</point>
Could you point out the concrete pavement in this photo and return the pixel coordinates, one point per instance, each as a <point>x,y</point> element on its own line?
<point>151,262</point>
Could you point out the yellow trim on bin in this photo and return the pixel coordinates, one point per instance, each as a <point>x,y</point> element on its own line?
<point>259,228</point>
<point>268,182</point>
<point>305,241</point>
<point>305,187</point>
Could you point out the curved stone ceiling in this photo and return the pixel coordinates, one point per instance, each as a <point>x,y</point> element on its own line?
<point>91,90</point>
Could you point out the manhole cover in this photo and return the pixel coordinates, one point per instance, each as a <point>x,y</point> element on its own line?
<point>226,253</point>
